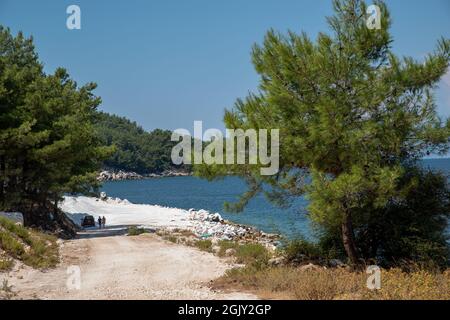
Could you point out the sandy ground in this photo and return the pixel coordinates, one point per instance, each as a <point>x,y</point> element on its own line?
<point>115,266</point>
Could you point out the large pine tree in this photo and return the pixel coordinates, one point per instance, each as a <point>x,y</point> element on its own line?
<point>47,142</point>
<point>352,116</point>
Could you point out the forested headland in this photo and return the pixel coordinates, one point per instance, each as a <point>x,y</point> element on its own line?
<point>135,149</point>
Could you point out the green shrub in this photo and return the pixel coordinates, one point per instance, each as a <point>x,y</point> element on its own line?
<point>204,245</point>
<point>301,249</point>
<point>172,239</point>
<point>253,254</point>
<point>43,254</point>
<point>225,245</point>
<point>135,231</point>
<point>43,249</point>
<point>413,229</point>
<point>16,229</point>
<point>409,230</point>
<point>11,245</point>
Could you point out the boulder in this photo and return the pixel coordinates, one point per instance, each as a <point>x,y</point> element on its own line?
<point>277,261</point>
<point>215,217</point>
<point>335,263</point>
<point>230,252</point>
<point>309,267</point>
<point>215,249</point>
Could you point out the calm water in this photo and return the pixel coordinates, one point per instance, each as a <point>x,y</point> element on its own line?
<point>191,192</point>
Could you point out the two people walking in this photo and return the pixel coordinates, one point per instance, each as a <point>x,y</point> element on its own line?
<point>101,222</point>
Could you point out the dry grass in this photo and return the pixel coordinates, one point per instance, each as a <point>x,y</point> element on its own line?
<point>331,284</point>
<point>180,236</point>
<point>225,245</point>
<point>183,232</point>
<point>6,292</point>
<point>6,263</point>
<point>33,248</point>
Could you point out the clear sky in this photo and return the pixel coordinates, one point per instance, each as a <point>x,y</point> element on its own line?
<point>166,63</point>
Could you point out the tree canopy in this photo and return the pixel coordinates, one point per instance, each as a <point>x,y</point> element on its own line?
<point>135,149</point>
<point>48,145</point>
<point>353,119</point>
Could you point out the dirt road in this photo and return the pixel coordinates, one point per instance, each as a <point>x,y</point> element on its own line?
<point>122,267</point>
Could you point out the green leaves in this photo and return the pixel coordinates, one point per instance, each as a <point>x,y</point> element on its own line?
<point>134,148</point>
<point>48,145</point>
<point>345,100</point>
<point>349,111</point>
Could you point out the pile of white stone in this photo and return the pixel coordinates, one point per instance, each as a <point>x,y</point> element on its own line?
<point>212,225</point>
<point>202,223</point>
<point>111,200</point>
<point>119,175</point>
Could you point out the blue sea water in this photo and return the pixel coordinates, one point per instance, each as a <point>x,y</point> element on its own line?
<point>192,192</point>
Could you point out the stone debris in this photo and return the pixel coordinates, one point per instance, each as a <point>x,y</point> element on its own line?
<point>310,267</point>
<point>119,175</point>
<point>230,252</point>
<point>336,263</point>
<point>277,261</point>
<point>108,175</point>
<point>216,249</point>
<point>111,200</point>
<point>212,226</point>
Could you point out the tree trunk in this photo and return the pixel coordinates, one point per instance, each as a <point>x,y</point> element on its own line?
<point>35,217</point>
<point>348,238</point>
<point>49,218</point>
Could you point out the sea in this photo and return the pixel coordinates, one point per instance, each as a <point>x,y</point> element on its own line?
<point>192,192</point>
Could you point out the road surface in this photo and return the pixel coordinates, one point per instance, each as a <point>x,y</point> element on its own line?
<point>115,266</point>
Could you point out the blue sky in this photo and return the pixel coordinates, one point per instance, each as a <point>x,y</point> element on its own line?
<point>167,63</point>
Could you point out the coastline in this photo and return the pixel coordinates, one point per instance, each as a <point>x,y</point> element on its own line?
<point>120,175</point>
<point>121,213</point>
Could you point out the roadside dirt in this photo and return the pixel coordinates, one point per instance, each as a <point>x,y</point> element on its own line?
<point>114,266</point>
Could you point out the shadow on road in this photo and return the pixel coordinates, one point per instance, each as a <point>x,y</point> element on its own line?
<point>109,231</point>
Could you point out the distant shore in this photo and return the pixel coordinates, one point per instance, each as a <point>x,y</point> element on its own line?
<point>120,175</point>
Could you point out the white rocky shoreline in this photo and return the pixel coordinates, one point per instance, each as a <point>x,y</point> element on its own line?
<point>203,224</point>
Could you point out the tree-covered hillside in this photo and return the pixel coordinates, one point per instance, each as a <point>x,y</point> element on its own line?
<point>136,149</point>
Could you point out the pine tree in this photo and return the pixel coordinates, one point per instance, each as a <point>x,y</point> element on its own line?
<point>47,142</point>
<point>351,116</point>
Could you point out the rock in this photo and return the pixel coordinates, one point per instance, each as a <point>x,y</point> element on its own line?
<point>215,217</point>
<point>230,252</point>
<point>215,249</point>
<point>103,196</point>
<point>335,263</point>
<point>277,261</point>
<point>309,267</point>
<point>119,175</point>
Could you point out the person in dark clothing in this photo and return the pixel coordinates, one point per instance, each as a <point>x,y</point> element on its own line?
<point>99,222</point>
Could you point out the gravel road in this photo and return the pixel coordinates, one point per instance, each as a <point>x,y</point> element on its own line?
<point>115,266</point>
